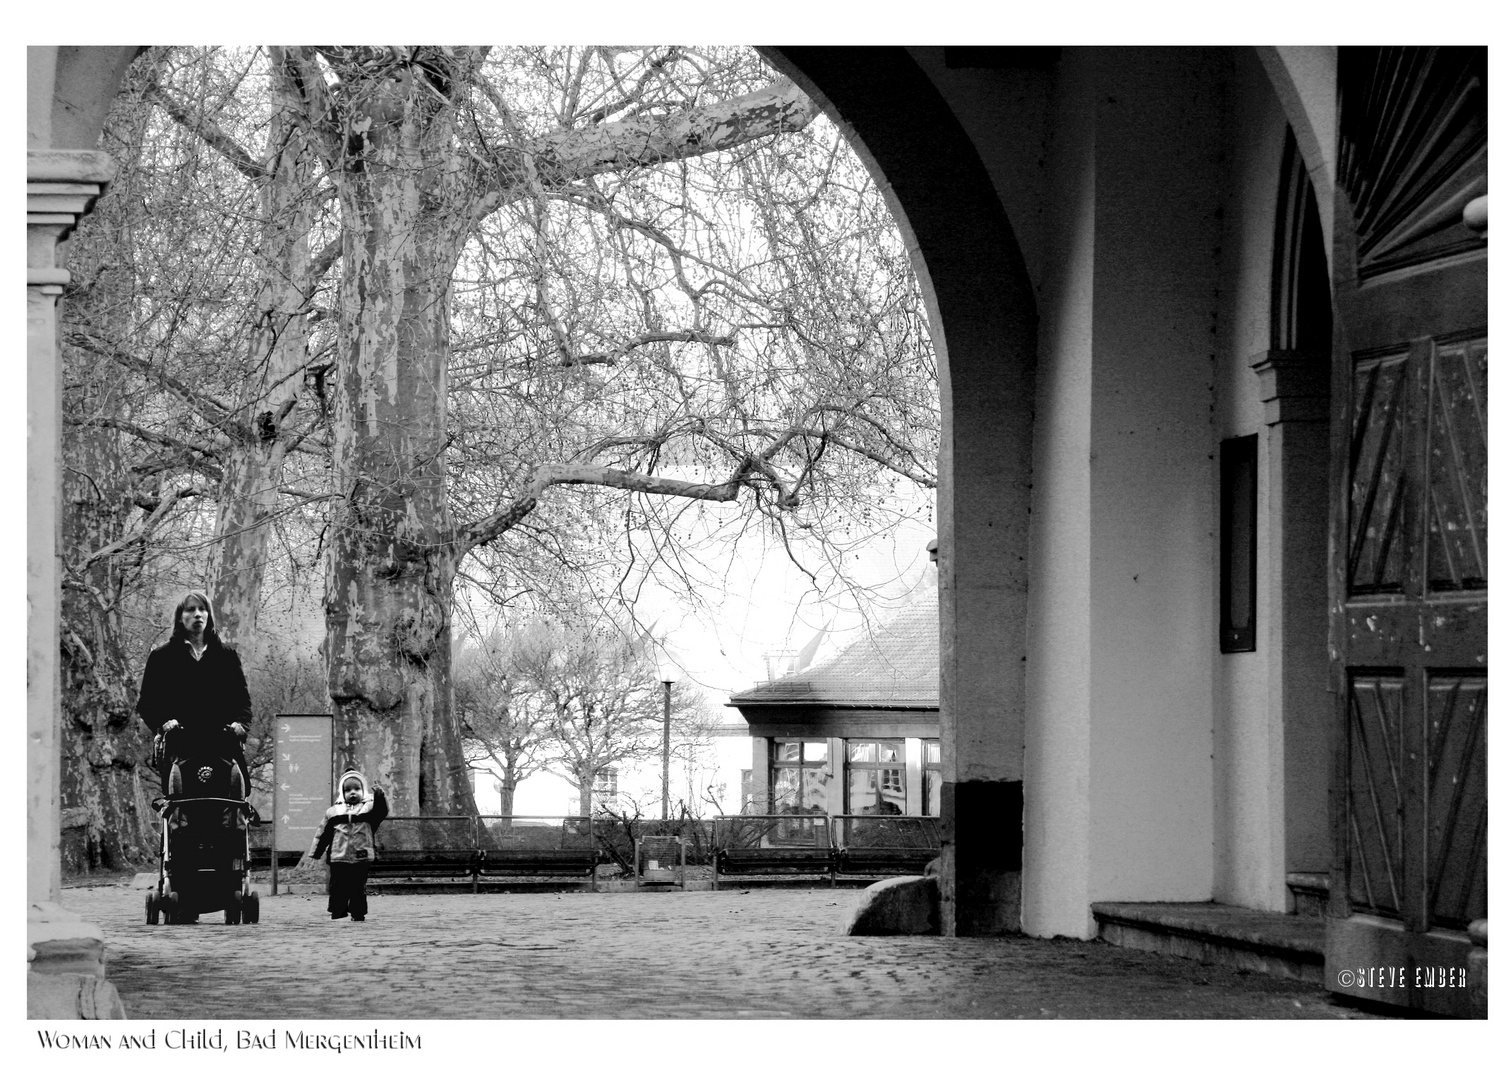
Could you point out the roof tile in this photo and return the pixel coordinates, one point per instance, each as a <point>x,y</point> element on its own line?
<point>895,664</point>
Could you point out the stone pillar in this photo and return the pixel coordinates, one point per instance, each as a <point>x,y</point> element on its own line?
<point>1295,390</point>
<point>65,957</point>
<point>760,777</point>
<point>984,321</point>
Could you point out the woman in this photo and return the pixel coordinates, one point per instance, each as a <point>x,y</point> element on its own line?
<point>193,688</point>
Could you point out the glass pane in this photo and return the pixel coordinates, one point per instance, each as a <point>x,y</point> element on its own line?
<point>785,795</point>
<point>814,751</point>
<point>933,791</point>
<point>863,796</point>
<point>788,751</point>
<point>861,751</point>
<point>893,791</point>
<point>892,751</point>
<point>877,791</point>
<point>933,752</point>
<point>814,791</point>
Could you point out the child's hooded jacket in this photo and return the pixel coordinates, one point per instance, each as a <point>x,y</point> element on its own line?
<point>350,831</point>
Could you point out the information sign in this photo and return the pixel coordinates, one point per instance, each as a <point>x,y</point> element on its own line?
<point>303,778</point>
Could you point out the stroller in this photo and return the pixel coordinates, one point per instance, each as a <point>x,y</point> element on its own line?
<point>204,861</point>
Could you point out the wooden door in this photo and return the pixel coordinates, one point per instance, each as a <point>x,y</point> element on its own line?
<point>1409,551</point>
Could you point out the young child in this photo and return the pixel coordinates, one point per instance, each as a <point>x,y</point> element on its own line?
<point>349,836</point>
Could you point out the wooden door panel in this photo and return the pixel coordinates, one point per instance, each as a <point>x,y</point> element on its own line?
<point>1376,792</point>
<point>1457,809</point>
<point>1457,549</point>
<point>1377,534</point>
<point>1410,572</point>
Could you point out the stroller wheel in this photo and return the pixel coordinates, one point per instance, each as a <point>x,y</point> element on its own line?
<point>249,907</point>
<point>233,910</point>
<point>152,907</point>
<point>170,908</point>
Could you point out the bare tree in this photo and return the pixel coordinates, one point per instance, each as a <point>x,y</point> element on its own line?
<point>453,286</point>
<point>599,694</point>
<point>503,726</point>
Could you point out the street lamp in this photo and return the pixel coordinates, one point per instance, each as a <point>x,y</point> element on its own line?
<point>666,682</point>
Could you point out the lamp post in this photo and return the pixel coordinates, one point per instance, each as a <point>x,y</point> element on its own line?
<point>666,752</point>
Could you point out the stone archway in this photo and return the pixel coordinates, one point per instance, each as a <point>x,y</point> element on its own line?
<point>985,328</point>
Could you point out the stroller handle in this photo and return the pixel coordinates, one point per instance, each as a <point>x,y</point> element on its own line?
<point>181,742</point>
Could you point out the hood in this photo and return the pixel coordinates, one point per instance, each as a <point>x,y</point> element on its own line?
<point>366,788</point>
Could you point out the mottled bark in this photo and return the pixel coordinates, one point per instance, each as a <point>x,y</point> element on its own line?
<point>276,352</point>
<point>105,817</point>
<point>104,783</point>
<point>557,159</point>
<point>391,565</point>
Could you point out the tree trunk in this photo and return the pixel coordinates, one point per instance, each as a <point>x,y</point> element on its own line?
<point>392,563</point>
<point>104,783</point>
<point>584,795</point>
<point>106,819</point>
<point>275,355</point>
<point>506,788</point>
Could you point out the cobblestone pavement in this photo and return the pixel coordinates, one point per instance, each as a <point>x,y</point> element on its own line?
<point>761,953</point>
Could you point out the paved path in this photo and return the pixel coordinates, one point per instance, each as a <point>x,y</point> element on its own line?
<point>762,953</point>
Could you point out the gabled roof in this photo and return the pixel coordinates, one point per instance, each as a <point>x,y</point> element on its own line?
<point>894,665</point>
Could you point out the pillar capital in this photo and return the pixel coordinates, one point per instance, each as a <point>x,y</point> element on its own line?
<point>61,186</point>
<point>1293,385</point>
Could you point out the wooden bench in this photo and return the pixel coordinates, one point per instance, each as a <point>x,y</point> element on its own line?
<point>884,846</point>
<point>427,848</point>
<point>773,844</point>
<point>524,847</point>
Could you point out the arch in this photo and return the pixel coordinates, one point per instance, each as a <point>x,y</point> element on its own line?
<point>1304,79</point>
<point>985,330</point>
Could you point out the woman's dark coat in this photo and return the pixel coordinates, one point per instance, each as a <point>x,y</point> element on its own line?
<point>203,695</point>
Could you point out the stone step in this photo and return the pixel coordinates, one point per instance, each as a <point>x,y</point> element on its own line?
<point>1290,946</point>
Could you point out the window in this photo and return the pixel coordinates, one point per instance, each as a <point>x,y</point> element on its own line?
<point>933,777</point>
<point>799,777</point>
<point>605,787</point>
<point>875,776</point>
<point>1239,544</point>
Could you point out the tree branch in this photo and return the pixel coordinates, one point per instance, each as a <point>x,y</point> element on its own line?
<point>156,437</point>
<point>553,161</point>
<point>213,135</point>
<point>495,525</point>
<point>618,353</point>
<point>216,413</point>
<point>137,535</point>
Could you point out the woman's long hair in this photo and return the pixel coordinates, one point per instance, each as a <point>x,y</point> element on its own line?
<point>209,622</point>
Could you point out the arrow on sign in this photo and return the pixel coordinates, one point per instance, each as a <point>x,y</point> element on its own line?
<point>285,819</point>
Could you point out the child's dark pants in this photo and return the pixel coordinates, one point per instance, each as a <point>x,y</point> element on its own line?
<point>348,889</point>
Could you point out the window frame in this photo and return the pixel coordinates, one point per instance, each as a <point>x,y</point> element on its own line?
<point>931,767</point>
<point>897,766</point>
<point>800,764</point>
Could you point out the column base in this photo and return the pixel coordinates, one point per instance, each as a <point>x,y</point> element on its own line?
<point>65,968</point>
<point>980,869</point>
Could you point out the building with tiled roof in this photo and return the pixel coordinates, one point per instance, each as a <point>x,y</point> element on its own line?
<point>857,733</point>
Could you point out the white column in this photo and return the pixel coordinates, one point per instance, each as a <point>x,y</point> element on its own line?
<point>1295,391</point>
<point>65,957</point>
